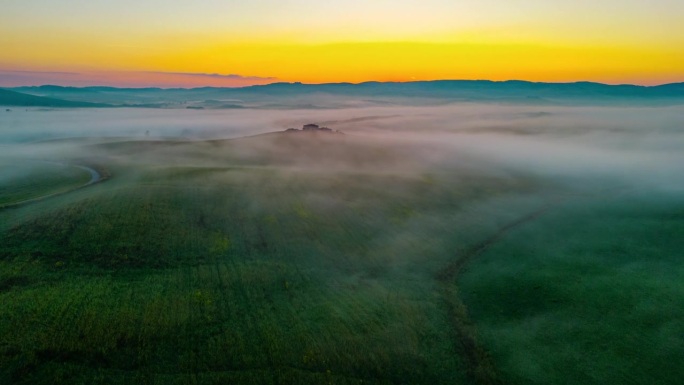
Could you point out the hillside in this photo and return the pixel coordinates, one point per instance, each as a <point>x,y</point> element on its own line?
<point>335,95</point>
<point>12,98</point>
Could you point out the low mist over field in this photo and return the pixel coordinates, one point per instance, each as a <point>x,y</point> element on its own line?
<point>624,142</point>
<point>362,192</point>
<point>418,243</point>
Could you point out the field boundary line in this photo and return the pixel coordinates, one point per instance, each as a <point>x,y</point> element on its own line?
<point>480,367</point>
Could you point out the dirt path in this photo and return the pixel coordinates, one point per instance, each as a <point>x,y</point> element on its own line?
<point>481,369</point>
<point>95,177</point>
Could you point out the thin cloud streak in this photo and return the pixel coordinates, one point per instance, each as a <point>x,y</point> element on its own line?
<point>214,75</point>
<point>39,72</point>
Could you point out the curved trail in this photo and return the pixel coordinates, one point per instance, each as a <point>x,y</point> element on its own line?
<point>95,177</point>
<point>481,369</point>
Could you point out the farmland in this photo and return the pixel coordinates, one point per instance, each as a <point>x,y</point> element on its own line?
<point>589,293</point>
<point>246,272</point>
<point>316,258</point>
<point>31,180</point>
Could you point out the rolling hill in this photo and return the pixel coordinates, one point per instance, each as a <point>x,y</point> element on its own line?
<point>332,95</point>
<point>12,98</point>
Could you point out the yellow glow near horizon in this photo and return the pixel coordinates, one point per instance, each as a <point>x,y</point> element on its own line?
<point>394,61</point>
<point>303,40</point>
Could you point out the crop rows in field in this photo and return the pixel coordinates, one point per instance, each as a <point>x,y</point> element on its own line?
<point>591,292</point>
<point>26,180</point>
<point>236,275</point>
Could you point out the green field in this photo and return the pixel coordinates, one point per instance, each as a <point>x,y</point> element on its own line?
<point>295,259</point>
<point>591,293</point>
<point>29,180</point>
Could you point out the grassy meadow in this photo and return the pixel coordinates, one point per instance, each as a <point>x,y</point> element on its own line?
<point>311,258</point>
<point>590,293</point>
<point>291,268</point>
<point>30,179</point>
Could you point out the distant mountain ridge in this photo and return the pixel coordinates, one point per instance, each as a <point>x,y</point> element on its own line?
<point>369,84</point>
<point>17,99</point>
<point>514,91</point>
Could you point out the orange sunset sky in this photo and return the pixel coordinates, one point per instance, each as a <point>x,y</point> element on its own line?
<point>237,43</point>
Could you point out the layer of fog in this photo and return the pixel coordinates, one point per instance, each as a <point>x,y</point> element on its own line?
<point>638,146</point>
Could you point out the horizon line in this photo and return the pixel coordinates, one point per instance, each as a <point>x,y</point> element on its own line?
<point>350,83</point>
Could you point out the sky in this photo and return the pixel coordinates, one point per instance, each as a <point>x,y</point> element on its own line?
<point>167,43</point>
